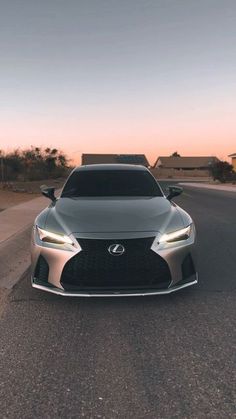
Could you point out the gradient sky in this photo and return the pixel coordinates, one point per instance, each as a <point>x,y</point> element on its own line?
<point>150,76</point>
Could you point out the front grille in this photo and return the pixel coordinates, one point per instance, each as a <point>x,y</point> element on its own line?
<point>95,268</point>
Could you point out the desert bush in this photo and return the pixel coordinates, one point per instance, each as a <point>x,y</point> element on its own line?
<point>34,163</point>
<point>223,171</point>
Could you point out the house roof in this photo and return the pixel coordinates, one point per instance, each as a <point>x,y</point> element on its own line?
<point>115,158</point>
<point>232,155</point>
<point>186,162</point>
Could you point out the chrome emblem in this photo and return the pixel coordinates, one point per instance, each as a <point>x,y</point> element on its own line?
<point>116,249</point>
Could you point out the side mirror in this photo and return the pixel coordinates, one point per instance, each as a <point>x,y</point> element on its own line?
<point>174,191</point>
<point>48,192</point>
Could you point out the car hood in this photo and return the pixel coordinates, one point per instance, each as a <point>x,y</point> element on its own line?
<point>108,215</point>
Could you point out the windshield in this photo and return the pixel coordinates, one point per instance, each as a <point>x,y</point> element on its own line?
<point>96,183</point>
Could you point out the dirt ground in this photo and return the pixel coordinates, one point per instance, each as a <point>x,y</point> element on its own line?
<point>16,192</point>
<point>9,198</point>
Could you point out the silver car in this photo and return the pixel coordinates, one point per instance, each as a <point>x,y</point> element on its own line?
<point>112,232</point>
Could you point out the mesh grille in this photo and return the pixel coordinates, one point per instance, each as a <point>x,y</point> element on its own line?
<point>95,268</point>
<point>188,268</point>
<point>42,270</point>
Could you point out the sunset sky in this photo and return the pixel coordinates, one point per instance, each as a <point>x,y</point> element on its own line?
<point>122,76</point>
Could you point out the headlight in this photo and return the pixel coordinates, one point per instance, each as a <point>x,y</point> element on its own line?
<point>54,238</point>
<point>175,236</point>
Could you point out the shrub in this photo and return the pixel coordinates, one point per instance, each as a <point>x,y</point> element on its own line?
<point>223,171</point>
<point>33,163</point>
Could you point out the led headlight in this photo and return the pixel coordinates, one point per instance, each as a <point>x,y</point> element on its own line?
<point>175,236</point>
<point>54,238</point>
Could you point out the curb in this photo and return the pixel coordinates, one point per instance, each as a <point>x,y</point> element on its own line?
<point>220,188</point>
<point>15,248</point>
<point>15,258</point>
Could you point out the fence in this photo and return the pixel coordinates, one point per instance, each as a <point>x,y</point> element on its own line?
<point>162,173</point>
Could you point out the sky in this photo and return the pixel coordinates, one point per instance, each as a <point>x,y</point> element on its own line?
<point>119,76</point>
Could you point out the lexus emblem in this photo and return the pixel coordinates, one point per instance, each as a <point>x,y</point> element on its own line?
<point>116,249</point>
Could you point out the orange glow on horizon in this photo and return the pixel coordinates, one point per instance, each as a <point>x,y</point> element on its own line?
<point>212,136</point>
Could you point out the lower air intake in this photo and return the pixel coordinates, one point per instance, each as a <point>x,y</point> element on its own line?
<point>41,270</point>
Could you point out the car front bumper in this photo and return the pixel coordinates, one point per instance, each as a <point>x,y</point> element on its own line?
<point>56,259</point>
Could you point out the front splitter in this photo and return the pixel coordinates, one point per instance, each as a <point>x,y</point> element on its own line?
<point>64,293</point>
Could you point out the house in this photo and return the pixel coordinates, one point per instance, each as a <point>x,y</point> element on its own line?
<point>139,159</point>
<point>233,160</point>
<point>186,163</point>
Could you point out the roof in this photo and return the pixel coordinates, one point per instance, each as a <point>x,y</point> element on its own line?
<point>109,167</point>
<point>115,158</point>
<point>232,155</point>
<point>186,162</point>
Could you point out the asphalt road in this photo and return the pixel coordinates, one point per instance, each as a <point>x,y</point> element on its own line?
<point>154,357</point>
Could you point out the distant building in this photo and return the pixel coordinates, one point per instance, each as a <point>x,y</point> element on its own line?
<point>233,160</point>
<point>186,163</point>
<point>139,159</point>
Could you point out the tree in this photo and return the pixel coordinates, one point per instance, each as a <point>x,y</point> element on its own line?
<point>62,160</point>
<point>2,165</point>
<point>222,171</point>
<point>175,154</point>
<point>13,164</point>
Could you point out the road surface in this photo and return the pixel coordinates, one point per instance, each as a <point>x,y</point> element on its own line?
<point>162,357</point>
